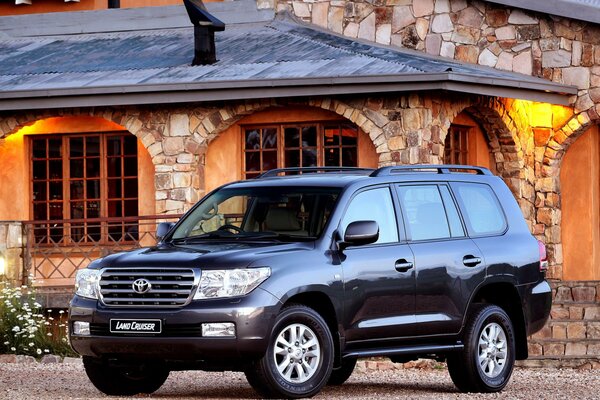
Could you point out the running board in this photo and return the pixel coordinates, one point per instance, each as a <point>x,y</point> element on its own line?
<point>404,350</point>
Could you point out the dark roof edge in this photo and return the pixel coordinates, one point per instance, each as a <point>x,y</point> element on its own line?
<point>561,8</point>
<point>246,89</point>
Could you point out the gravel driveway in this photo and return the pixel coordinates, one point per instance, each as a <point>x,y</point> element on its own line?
<point>68,381</point>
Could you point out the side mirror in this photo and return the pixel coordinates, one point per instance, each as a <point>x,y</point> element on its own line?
<point>359,233</point>
<point>162,229</point>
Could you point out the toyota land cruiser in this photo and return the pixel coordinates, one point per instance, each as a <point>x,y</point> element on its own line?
<point>295,275</point>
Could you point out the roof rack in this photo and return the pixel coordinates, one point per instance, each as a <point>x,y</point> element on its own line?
<point>304,170</point>
<point>438,169</point>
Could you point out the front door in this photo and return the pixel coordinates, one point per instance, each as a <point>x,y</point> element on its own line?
<point>448,264</point>
<point>379,279</point>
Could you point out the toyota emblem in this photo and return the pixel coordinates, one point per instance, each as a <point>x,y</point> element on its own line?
<point>141,286</point>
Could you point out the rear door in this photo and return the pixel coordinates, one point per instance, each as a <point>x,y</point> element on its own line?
<point>448,264</point>
<point>379,278</point>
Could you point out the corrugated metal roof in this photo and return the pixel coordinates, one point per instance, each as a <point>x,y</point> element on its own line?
<point>282,53</point>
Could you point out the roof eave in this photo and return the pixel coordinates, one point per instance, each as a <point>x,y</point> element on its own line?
<point>299,87</point>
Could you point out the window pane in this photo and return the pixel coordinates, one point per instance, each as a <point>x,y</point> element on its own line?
<point>113,146</point>
<point>39,211</point>
<point>309,136</point>
<point>131,188</point>
<point>93,209</point>
<point>374,205</point>
<point>130,166</point>
<point>113,166</point>
<point>332,157</point>
<point>55,210</point>
<point>39,148</point>
<point>292,158</point>
<point>269,160</point>
<point>56,191</point>
<point>76,168</point>
<point>76,147</point>
<point>349,158</point>
<point>77,190</point>
<point>292,137</point>
<point>39,191</point>
<point>270,138</point>
<point>349,136</point>
<point>39,170</point>
<point>93,189</point>
<point>425,214</point>
<point>92,146</point>
<point>114,188</point>
<point>78,210</point>
<point>332,136</point>
<point>55,169</point>
<point>130,145</point>
<point>54,148</point>
<point>92,167</point>
<point>481,209</point>
<point>252,139</point>
<point>456,228</point>
<point>253,161</point>
<point>131,208</point>
<point>115,208</point>
<point>309,157</point>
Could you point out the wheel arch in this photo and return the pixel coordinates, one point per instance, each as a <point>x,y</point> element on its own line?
<point>506,296</point>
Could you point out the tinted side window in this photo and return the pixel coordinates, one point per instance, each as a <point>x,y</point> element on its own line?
<point>481,208</point>
<point>425,213</point>
<point>456,228</point>
<point>374,205</point>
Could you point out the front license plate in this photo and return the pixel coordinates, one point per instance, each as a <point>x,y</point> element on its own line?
<point>135,326</point>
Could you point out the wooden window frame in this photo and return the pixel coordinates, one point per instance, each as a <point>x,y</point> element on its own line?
<point>281,149</point>
<point>67,223</point>
<point>456,145</point>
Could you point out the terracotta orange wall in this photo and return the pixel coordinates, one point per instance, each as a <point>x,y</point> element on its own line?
<point>15,193</point>
<point>48,6</point>
<point>479,151</point>
<point>580,199</point>
<point>224,154</point>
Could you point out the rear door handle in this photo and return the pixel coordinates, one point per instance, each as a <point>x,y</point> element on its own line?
<point>471,261</point>
<point>402,265</point>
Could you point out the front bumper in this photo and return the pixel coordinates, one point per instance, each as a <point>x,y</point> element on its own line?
<point>181,339</point>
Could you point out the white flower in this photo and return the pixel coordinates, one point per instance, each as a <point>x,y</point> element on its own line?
<point>31,344</point>
<point>39,351</point>
<point>6,343</point>
<point>13,349</point>
<point>49,334</point>
<point>61,312</point>
<point>46,351</point>
<point>13,309</point>
<point>16,328</point>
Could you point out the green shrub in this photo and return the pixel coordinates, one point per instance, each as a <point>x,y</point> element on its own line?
<point>23,327</point>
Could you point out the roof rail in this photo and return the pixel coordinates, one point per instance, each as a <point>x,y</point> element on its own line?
<point>277,171</point>
<point>438,169</point>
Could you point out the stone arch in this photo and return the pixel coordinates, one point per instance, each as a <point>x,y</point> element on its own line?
<point>174,157</point>
<point>207,126</point>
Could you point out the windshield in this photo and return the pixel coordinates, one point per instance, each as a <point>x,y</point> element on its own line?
<point>292,213</point>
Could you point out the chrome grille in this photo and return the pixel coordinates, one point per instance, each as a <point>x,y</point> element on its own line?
<point>169,287</point>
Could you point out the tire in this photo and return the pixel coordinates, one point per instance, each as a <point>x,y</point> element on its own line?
<point>493,326</point>
<point>341,374</point>
<point>305,364</point>
<point>124,382</point>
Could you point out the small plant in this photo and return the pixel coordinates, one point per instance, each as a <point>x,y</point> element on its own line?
<point>23,327</point>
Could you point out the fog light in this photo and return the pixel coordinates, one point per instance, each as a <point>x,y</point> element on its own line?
<point>81,328</point>
<point>219,329</point>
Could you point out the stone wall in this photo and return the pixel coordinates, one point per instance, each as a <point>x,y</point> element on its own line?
<point>11,249</point>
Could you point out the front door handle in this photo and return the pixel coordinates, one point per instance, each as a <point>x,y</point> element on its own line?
<point>402,265</point>
<point>471,261</point>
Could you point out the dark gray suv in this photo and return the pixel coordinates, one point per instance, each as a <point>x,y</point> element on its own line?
<point>295,275</point>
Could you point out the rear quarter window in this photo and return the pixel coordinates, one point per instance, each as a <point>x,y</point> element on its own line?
<point>481,209</point>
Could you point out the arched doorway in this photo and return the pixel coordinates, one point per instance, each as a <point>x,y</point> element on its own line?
<point>286,137</point>
<point>580,200</point>
<point>80,185</point>
<point>467,144</point>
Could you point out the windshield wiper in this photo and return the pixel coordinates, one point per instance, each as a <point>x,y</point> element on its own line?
<point>225,235</point>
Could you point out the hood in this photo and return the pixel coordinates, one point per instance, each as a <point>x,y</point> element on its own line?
<point>211,255</point>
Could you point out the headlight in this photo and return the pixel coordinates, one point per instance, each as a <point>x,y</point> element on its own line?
<point>86,283</point>
<point>230,282</point>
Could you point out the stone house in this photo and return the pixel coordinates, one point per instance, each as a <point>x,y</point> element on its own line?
<point>105,127</point>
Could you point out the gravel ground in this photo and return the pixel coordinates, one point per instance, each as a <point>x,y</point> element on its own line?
<point>68,381</point>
